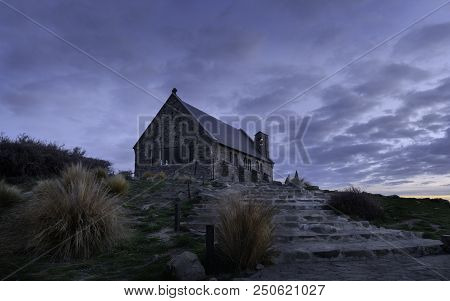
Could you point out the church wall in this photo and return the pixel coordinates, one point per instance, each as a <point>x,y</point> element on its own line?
<point>174,141</point>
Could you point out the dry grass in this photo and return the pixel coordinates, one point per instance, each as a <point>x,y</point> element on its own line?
<point>356,203</point>
<point>147,175</point>
<point>160,176</point>
<point>245,234</point>
<point>100,173</point>
<point>9,195</point>
<point>74,216</point>
<point>117,184</point>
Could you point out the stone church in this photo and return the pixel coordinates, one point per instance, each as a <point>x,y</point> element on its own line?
<point>183,140</point>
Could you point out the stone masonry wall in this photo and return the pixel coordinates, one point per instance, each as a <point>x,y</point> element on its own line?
<point>174,138</point>
<point>175,143</point>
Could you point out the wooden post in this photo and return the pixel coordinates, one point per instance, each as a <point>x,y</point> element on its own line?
<point>189,188</point>
<point>446,240</point>
<point>210,253</point>
<point>177,216</point>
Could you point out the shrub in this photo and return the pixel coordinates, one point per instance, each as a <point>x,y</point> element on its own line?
<point>117,184</point>
<point>24,157</point>
<point>148,175</point>
<point>245,234</point>
<point>355,202</point>
<point>308,186</point>
<point>74,215</point>
<point>160,176</point>
<point>128,174</point>
<point>100,173</point>
<point>9,195</point>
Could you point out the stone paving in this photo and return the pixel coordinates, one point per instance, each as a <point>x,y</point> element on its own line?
<point>306,229</point>
<point>387,268</point>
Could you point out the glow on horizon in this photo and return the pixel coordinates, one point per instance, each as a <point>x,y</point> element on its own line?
<point>445,196</point>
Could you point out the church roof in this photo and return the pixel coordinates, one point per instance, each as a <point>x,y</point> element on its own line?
<point>224,133</point>
<point>221,132</point>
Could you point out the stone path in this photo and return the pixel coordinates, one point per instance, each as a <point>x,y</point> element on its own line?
<point>307,230</point>
<point>316,244</point>
<point>388,268</point>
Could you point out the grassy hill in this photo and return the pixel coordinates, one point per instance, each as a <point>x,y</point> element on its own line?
<point>430,216</point>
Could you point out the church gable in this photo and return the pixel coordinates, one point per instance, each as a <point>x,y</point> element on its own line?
<point>206,146</point>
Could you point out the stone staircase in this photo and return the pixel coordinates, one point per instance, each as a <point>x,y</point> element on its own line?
<point>306,229</point>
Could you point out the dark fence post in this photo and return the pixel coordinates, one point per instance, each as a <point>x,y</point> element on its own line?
<point>177,216</point>
<point>189,188</point>
<point>210,253</point>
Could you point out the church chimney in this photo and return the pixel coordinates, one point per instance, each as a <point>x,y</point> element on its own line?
<point>262,144</point>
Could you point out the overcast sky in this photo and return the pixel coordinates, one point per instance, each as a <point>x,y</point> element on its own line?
<point>382,123</point>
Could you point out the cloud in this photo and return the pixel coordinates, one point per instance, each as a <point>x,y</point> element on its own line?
<point>386,79</point>
<point>426,42</point>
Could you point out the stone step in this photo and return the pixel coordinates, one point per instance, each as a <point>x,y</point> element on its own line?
<point>297,205</point>
<point>354,235</point>
<point>325,226</point>
<point>308,218</point>
<point>298,210</point>
<point>325,250</point>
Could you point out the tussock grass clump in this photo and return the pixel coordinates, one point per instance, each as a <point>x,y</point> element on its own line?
<point>160,176</point>
<point>9,195</point>
<point>245,234</point>
<point>355,202</point>
<point>100,173</point>
<point>147,175</point>
<point>117,184</point>
<point>74,215</point>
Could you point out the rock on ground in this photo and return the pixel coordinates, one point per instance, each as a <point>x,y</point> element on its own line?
<point>186,266</point>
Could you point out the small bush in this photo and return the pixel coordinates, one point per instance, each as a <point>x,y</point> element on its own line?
<point>117,184</point>
<point>355,202</point>
<point>245,234</point>
<point>9,195</point>
<point>147,175</point>
<point>74,216</point>
<point>160,176</point>
<point>100,173</point>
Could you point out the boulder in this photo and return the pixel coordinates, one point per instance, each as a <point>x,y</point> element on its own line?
<point>186,266</point>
